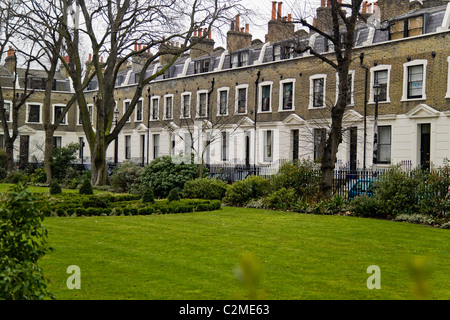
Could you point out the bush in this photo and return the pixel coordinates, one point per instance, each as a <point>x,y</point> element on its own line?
<point>243,191</point>
<point>281,199</point>
<point>163,175</point>
<point>174,195</point>
<point>365,206</point>
<point>147,195</point>
<point>62,160</point>
<point>55,188</point>
<point>21,217</point>
<point>204,188</point>
<point>300,176</point>
<point>96,202</point>
<point>86,187</point>
<point>16,177</point>
<point>39,176</point>
<point>126,176</point>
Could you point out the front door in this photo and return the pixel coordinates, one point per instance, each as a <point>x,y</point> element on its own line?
<point>425,130</point>
<point>295,141</point>
<point>247,150</point>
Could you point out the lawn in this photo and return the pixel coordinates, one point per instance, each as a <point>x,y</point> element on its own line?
<point>195,256</point>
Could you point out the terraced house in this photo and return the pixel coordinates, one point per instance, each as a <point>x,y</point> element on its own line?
<point>261,102</point>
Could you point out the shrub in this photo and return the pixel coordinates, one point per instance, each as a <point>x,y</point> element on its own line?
<point>243,191</point>
<point>204,188</point>
<point>163,175</point>
<point>55,188</point>
<point>125,176</point>
<point>62,160</point>
<point>96,202</point>
<point>174,195</point>
<point>147,195</point>
<point>21,217</point>
<point>39,176</point>
<point>86,187</point>
<point>335,204</point>
<point>415,218</point>
<point>281,199</point>
<point>16,177</point>
<point>365,206</point>
<point>300,176</point>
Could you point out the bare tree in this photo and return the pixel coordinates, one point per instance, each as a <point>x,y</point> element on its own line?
<point>111,29</point>
<point>339,29</point>
<point>10,23</point>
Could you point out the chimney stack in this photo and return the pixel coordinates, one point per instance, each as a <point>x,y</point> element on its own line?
<point>238,37</point>
<point>10,60</point>
<point>279,27</point>
<point>205,46</point>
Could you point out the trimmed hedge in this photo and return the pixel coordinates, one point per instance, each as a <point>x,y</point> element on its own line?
<point>124,205</point>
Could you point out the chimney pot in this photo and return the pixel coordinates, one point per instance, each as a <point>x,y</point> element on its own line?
<point>237,23</point>
<point>274,9</point>
<point>280,4</point>
<point>10,52</point>
<point>247,28</point>
<point>290,17</point>
<point>200,32</point>
<point>322,3</point>
<point>90,56</point>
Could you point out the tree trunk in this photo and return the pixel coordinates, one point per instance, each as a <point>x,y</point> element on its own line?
<point>48,155</point>
<point>99,173</point>
<point>9,148</point>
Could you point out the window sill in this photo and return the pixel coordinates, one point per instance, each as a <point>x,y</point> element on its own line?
<point>413,99</point>
<point>286,110</point>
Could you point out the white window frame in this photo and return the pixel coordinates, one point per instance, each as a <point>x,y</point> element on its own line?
<point>8,102</point>
<point>158,98</point>
<point>382,67</point>
<point>280,106</point>
<point>65,123</point>
<point>311,90</point>
<point>405,79</point>
<point>165,106</point>
<point>352,98</point>
<point>28,112</point>
<point>219,91</point>
<point>128,147</point>
<point>236,104</point>
<point>448,81</point>
<point>183,96</point>
<point>141,100</point>
<point>261,85</point>
<point>199,92</point>
<point>265,158</point>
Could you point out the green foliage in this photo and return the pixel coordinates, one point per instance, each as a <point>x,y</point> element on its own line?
<point>300,176</point>
<point>95,202</point>
<point>163,175</point>
<point>147,195</point>
<point>204,188</point>
<point>125,176</point>
<point>39,176</point>
<point>365,206</point>
<point>243,191</point>
<point>23,241</point>
<point>86,187</point>
<point>16,176</point>
<point>174,195</point>
<point>62,160</point>
<point>282,199</point>
<point>55,188</point>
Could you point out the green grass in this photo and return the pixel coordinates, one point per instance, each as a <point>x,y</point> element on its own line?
<point>194,256</point>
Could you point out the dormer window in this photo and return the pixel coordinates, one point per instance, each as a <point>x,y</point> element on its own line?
<point>407,28</point>
<point>201,66</point>
<point>239,59</point>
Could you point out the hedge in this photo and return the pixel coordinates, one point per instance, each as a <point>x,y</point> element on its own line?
<point>119,205</point>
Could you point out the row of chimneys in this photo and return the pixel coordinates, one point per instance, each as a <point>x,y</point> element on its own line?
<point>235,25</point>
<point>277,14</point>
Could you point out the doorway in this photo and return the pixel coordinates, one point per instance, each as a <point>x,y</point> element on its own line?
<point>353,148</point>
<point>425,144</point>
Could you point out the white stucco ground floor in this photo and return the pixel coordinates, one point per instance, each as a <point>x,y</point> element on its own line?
<point>419,137</point>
